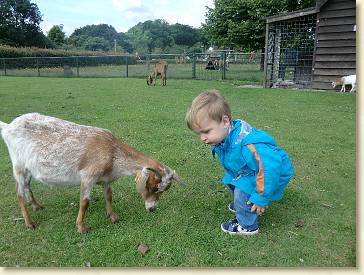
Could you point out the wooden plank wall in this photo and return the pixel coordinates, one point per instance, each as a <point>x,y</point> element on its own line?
<point>335,53</point>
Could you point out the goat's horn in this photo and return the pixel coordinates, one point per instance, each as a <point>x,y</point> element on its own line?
<point>156,172</point>
<point>178,179</point>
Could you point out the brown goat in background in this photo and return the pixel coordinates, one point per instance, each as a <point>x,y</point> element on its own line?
<point>159,69</point>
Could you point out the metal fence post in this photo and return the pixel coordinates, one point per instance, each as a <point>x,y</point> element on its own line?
<point>194,66</point>
<point>38,67</point>
<point>127,66</point>
<point>223,71</point>
<point>4,64</point>
<point>78,67</point>
<point>148,63</point>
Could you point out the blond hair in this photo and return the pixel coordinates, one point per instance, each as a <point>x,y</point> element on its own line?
<point>209,103</point>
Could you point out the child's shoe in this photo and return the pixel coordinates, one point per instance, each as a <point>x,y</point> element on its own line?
<point>234,228</point>
<point>231,207</point>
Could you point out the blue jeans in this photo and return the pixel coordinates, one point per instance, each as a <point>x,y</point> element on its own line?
<point>246,219</point>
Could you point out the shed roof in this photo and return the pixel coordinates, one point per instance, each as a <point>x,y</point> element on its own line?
<point>295,14</point>
<point>320,3</point>
<point>290,15</point>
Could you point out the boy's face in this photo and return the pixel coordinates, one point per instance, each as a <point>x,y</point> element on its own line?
<point>212,132</point>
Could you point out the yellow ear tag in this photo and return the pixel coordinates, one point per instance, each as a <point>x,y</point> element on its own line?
<point>138,177</point>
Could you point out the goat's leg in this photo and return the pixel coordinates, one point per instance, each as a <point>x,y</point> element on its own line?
<point>35,205</point>
<point>342,89</point>
<point>27,219</point>
<point>82,227</point>
<point>84,202</point>
<point>20,176</point>
<point>108,199</point>
<point>352,88</point>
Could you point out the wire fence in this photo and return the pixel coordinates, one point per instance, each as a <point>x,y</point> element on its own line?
<point>247,67</point>
<point>290,51</point>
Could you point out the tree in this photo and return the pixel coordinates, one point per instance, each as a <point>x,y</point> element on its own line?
<point>90,43</point>
<point>122,40</point>
<point>241,24</point>
<point>99,37</point>
<point>57,35</point>
<point>140,40</point>
<point>105,31</point>
<point>149,35</point>
<point>78,41</point>
<point>97,43</point>
<point>184,34</point>
<point>19,24</point>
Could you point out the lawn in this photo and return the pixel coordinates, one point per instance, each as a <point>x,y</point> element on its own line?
<point>313,226</point>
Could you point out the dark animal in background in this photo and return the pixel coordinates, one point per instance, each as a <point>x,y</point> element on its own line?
<point>252,57</point>
<point>159,69</point>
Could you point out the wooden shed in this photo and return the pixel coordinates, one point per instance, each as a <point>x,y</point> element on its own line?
<point>310,48</point>
<point>335,51</point>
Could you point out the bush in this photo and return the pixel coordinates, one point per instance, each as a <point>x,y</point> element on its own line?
<point>12,52</point>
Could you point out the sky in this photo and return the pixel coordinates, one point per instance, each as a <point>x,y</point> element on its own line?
<point>121,14</point>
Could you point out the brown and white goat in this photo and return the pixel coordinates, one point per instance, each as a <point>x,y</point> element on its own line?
<point>346,80</point>
<point>58,152</point>
<point>159,69</point>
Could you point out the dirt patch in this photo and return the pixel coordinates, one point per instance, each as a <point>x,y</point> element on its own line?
<point>250,86</point>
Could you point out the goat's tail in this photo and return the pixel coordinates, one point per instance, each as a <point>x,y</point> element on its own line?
<point>2,124</point>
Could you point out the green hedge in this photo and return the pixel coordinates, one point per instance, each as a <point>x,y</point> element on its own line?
<point>11,52</point>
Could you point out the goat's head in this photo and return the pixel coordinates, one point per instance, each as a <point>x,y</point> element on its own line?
<point>333,84</point>
<point>151,183</point>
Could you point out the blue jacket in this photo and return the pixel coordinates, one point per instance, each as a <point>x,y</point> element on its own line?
<point>254,163</point>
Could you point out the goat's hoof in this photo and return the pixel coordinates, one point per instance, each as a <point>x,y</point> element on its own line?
<point>83,228</point>
<point>30,226</point>
<point>113,217</point>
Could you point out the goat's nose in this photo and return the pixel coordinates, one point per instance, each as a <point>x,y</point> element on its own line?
<point>152,209</point>
<point>151,206</point>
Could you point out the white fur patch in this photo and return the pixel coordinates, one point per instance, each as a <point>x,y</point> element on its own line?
<point>150,204</point>
<point>50,148</point>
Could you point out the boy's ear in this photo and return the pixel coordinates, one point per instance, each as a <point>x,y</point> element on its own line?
<point>226,120</point>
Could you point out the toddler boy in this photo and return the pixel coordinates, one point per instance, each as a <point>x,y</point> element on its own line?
<point>257,170</point>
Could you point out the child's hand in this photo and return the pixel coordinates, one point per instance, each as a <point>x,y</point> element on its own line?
<point>256,208</point>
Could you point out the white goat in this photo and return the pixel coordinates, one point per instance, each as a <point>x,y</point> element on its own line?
<point>59,152</point>
<point>346,80</point>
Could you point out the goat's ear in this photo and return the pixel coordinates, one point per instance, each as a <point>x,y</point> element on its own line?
<point>141,180</point>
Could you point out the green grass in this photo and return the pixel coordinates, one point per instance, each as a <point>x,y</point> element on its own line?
<point>313,226</point>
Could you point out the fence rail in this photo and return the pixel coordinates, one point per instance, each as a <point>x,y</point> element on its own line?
<point>246,67</point>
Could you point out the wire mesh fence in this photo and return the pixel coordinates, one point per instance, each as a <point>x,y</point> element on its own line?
<point>216,65</point>
<point>290,51</point>
<point>247,67</point>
